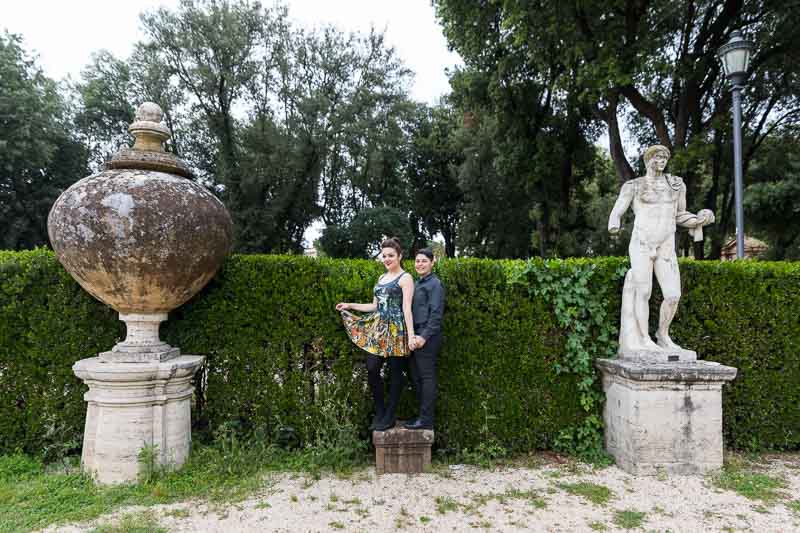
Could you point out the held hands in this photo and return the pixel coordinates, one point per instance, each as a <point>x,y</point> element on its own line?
<point>416,342</point>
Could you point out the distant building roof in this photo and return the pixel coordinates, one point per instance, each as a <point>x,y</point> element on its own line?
<point>752,248</point>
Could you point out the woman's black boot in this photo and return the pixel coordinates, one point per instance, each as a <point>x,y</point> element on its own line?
<point>377,419</point>
<point>387,422</point>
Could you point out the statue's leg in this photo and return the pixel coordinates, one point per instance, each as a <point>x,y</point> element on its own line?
<point>641,276</point>
<point>669,279</point>
<point>629,338</point>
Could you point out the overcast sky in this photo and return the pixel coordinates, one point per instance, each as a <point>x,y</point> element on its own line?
<point>65,32</point>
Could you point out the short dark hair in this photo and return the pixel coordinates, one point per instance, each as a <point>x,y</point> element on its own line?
<point>427,252</point>
<point>392,243</point>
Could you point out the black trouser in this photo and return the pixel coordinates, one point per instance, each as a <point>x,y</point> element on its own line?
<point>396,382</point>
<point>423,375</point>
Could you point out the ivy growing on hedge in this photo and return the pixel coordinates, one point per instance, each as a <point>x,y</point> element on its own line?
<point>516,367</point>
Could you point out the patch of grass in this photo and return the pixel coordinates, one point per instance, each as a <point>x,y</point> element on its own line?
<point>425,519</point>
<point>403,519</point>
<point>19,467</point>
<point>445,504</point>
<point>510,494</point>
<point>177,513</point>
<point>629,519</point>
<point>263,505</point>
<point>481,524</point>
<point>597,526</point>
<point>294,498</point>
<point>752,485</point>
<point>660,510</point>
<point>133,523</point>
<point>794,506</point>
<point>33,497</point>
<point>336,525</point>
<point>597,494</point>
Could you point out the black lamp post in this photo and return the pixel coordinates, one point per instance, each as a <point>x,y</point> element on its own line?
<point>735,57</point>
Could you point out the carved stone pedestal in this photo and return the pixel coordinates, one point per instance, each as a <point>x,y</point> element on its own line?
<point>664,417</point>
<point>133,405</point>
<point>402,451</point>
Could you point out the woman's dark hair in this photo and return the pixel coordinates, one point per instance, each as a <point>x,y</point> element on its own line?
<point>394,244</point>
<point>427,252</point>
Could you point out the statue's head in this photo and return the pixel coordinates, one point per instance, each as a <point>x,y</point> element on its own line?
<point>656,155</point>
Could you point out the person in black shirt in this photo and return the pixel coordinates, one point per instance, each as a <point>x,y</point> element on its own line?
<point>427,307</point>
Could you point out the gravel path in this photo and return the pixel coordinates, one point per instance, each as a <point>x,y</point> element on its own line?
<point>546,497</point>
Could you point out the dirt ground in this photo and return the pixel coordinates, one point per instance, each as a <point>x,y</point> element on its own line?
<point>544,494</point>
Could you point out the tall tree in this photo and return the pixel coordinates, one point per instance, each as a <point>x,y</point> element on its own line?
<point>658,60</point>
<point>104,106</point>
<point>39,157</point>
<point>434,161</point>
<point>519,190</point>
<point>772,202</point>
<point>209,46</point>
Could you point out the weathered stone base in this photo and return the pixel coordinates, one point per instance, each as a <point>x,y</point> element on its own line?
<point>664,417</point>
<point>663,355</point>
<point>133,405</point>
<point>402,451</point>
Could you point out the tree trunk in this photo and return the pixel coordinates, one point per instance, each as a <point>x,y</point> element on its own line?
<point>609,116</point>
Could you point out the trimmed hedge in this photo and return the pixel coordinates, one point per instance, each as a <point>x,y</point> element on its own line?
<point>278,357</point>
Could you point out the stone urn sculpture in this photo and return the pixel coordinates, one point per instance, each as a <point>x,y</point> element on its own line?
<point>142,238</point>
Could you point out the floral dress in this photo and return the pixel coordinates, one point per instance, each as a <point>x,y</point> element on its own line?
<point>383,331</point>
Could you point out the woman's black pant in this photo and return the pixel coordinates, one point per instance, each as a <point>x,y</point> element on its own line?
<point>396,383</point>
<point>423,375</point>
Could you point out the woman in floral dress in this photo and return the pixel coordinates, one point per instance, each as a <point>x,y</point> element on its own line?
<point>385,331</point>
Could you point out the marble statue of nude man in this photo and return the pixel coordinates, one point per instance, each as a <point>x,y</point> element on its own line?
<point>659,205</point>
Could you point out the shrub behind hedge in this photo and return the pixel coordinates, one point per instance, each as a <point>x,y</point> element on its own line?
<point>279,361</point>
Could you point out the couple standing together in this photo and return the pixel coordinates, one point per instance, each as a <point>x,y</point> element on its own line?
<point>404,319</point>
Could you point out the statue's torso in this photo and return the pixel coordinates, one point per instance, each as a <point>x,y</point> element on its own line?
<point>655,203</point>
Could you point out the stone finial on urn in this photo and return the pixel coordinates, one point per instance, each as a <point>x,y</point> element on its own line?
<point>141,237</point>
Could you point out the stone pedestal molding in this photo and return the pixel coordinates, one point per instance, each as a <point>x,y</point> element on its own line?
<point>142,343</point>
<point>133,405</point>
<point>402,451</point>
<point>664,417</point>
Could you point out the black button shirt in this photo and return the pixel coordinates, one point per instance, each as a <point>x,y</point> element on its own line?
<point>427,306</point>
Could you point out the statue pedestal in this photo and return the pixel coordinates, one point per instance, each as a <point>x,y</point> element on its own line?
<point>664,417</point>
<point>133,405</point>
<point>402,451</point>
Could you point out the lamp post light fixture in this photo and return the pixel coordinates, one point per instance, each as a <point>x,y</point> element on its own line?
<point>735,57</point>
